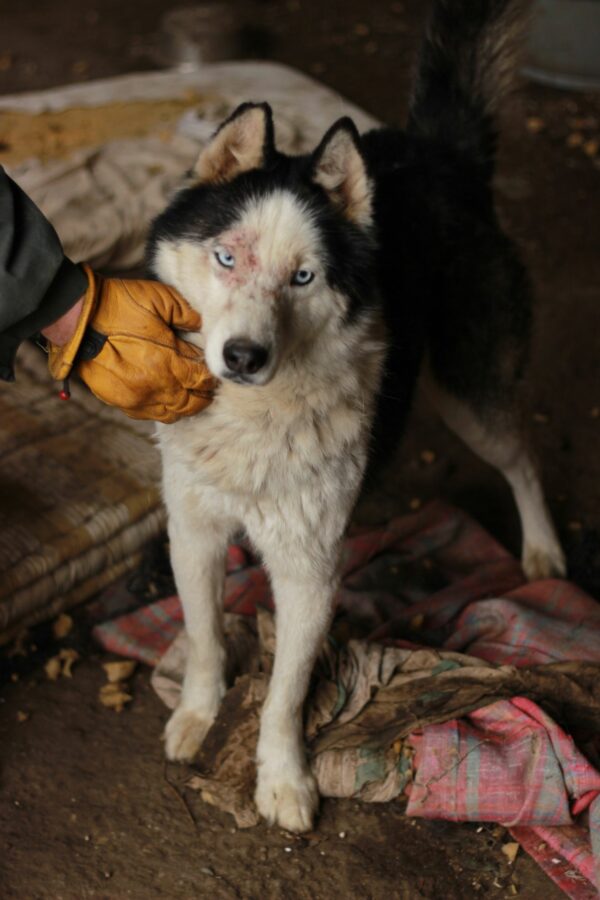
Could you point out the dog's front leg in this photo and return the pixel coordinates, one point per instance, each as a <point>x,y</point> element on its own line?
<point>286,791</point>
<point>198,557</point>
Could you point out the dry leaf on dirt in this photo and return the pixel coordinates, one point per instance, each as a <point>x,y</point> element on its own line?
<point>22,716</point>
<point>575,139</point>
<point>120,670</point>
<point>541,418</point>
<point>510,851</point>
<point>535,124</point>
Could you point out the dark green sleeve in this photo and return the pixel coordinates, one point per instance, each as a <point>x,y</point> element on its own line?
<point>38,284</point>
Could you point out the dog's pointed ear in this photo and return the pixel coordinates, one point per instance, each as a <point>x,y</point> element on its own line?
<point>243,142</point>
<point>339,167</point>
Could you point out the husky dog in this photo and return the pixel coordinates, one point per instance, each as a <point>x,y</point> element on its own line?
<point>324,283</point>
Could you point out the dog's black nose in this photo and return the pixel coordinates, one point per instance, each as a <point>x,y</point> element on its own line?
<point>244,357</point>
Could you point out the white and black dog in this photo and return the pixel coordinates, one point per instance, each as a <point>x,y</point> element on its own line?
<point>324,283</point>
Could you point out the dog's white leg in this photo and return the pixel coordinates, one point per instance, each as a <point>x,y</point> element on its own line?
<point>542,555</point>
<point>500,445</point>
<point>286,791</point>
<point>198,558</point>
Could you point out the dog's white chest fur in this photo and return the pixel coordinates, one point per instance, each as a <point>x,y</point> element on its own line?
<point>295,447</point>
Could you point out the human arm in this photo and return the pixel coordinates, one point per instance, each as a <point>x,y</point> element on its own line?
<point>38,283</point>
<point>118,335</point>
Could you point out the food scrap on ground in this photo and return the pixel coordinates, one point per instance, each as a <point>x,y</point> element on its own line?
<point>62,626</point>
<point>115,693</point>
<point>61,664</point>
<point>114,696</point>
<point>119,670</point>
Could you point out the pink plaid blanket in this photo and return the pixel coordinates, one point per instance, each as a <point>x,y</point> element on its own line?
<point>439,571</point>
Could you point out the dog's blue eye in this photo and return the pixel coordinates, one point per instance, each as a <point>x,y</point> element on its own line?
<point>302,277</point>
<point>225,258</point>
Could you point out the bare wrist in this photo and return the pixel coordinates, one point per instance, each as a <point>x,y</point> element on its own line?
<point>61,331</point>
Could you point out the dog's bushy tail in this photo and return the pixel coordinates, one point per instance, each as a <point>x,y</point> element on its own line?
<point>466,66</point>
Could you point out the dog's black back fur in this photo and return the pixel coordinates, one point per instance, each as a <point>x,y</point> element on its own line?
<point>452,283</point>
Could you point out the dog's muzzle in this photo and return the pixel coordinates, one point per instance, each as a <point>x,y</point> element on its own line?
<point>244,358</point>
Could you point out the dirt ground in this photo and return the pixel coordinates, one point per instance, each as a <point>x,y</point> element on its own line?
<point>87,806</point>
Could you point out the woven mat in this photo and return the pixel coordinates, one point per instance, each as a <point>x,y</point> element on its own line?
<point>78,496</point>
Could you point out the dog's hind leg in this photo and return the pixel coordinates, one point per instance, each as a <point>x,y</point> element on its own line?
<point>198,553</point>
<point>496,437</point>
<point>479,336</point>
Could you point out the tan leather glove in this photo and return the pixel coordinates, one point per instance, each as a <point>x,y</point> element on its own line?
<point>125,350</point>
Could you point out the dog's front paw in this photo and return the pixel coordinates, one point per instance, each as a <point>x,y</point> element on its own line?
<point>184,734</point>
<point>288,802</point>
<point>544,562</point>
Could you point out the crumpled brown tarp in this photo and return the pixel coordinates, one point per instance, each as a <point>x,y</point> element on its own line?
<point>366,699</point>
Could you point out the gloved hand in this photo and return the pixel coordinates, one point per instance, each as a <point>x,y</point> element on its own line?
<point>125,350</point>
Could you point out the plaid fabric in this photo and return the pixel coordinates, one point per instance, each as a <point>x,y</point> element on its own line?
<point>543,622</point>
<point>508,762</point>
<point>563,853</point>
